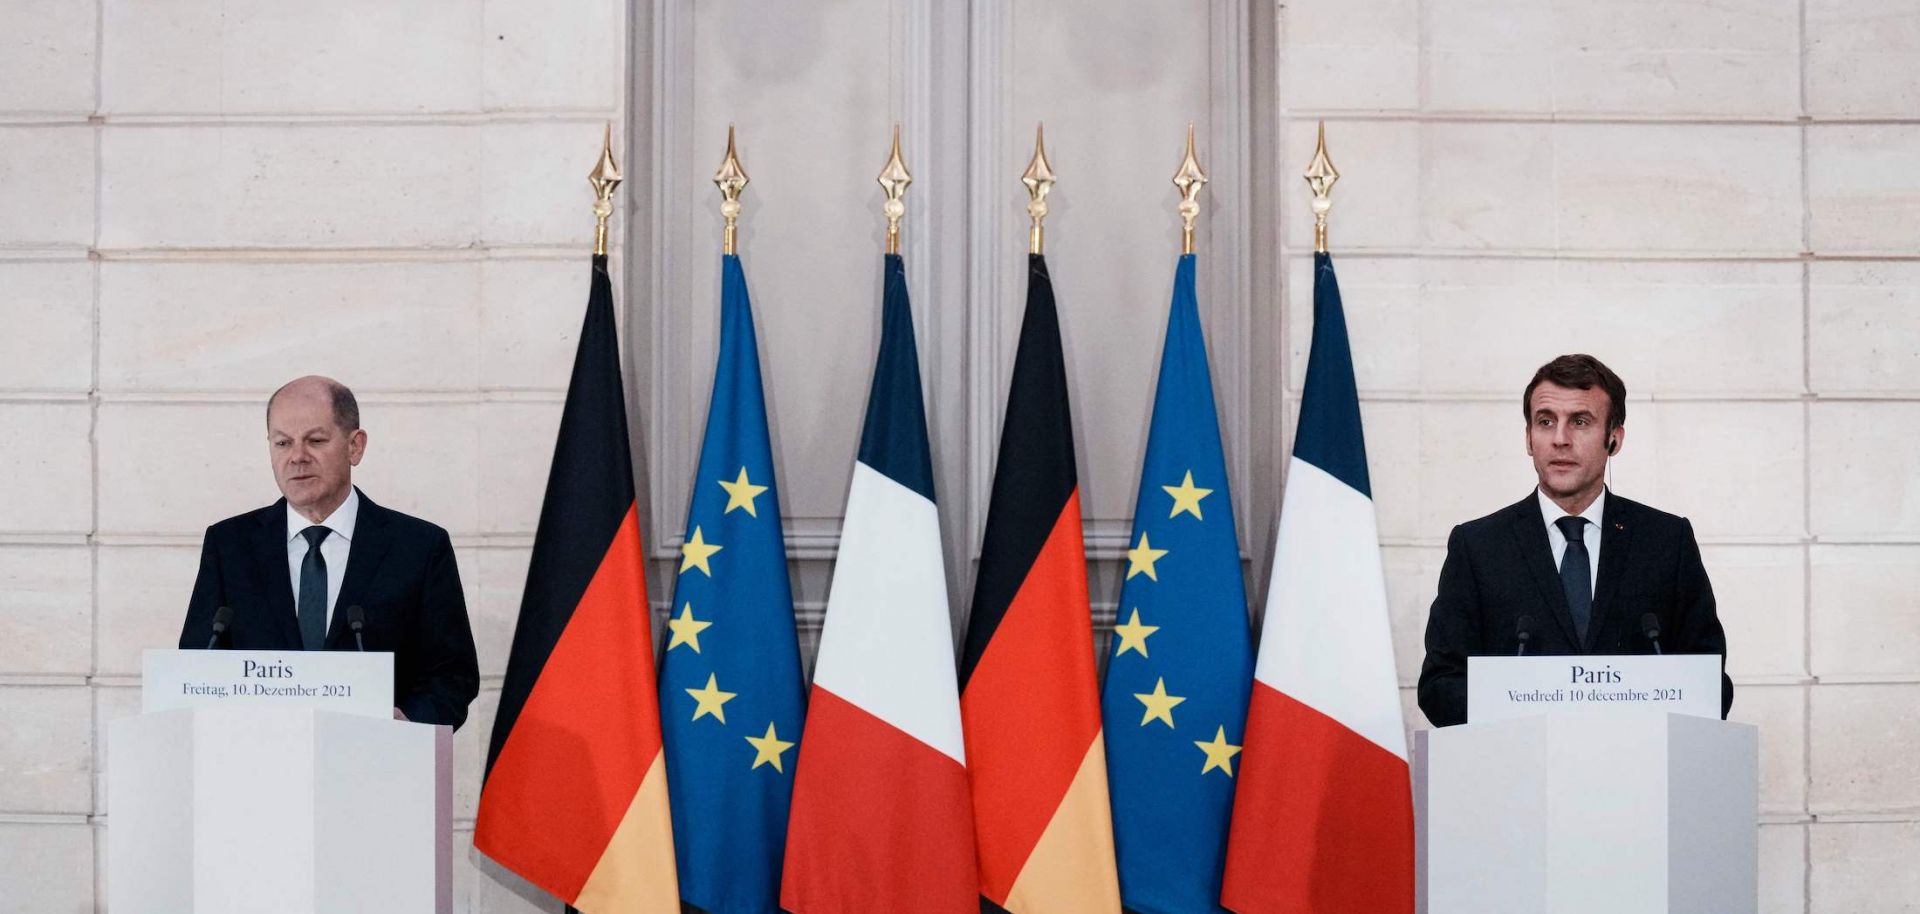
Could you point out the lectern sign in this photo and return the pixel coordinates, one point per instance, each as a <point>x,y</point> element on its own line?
<point>1503,688</point>
<point>343,681</point>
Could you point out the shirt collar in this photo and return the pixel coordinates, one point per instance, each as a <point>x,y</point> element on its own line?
<point>1550,512</point>
<point>341,521</point>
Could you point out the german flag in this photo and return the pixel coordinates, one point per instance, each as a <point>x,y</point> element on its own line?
<point>1029,699</point>
<point>575,796</point>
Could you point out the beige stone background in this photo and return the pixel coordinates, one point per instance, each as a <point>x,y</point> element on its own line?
<point>201,199</point>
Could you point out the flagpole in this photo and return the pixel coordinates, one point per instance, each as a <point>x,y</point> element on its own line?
<point>604,178</point>
<point>1320,175</point>
<point>894,179</point>
<point>1189,179</point>
<point>1039,179</point>
<point>731,179</point>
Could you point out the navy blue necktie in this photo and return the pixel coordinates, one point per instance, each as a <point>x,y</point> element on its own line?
<point>1575,575</point>
<point>313,591</point>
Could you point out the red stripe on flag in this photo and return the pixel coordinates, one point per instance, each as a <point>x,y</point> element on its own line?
<point>1031,708</point>
<point>1322,817</point>
<point>880,820</point>
<point>569,769</point>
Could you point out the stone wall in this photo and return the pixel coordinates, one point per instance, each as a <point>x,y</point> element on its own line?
<point>1722,200</point>
<point>199,200</point>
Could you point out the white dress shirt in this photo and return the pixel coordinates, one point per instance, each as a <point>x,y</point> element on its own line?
<point>333,549</point>
<point>1590,532</point>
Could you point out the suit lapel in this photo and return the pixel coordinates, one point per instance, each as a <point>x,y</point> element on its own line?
<point>371,537</point>
<point>1616,533</point>
<point>270,560</point>
<point>1530,534</point>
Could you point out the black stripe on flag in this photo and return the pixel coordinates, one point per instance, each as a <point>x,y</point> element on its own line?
<point>1035,474</point>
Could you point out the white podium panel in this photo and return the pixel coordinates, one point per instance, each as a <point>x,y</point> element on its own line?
<point>1502,688</point>
<point>251,807</point>
<point>1585,812</point>
<point>350,682</point>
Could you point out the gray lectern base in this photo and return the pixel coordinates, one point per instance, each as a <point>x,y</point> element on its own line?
<point>1615,812</point>
<point>282,809</point>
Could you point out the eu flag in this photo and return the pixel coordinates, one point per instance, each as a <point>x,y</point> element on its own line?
<point>730,692</point>
<point>1181,661</point>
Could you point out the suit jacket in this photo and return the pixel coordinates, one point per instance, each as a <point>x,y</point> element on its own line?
<point>400,569</point>
<point>1501,567</point>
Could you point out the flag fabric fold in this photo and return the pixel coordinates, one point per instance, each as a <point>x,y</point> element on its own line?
<point>881,818</point>
<point>1029,698</point>
<point>575,796</point>
<point>1323,817</point>
<point>731,703</point>
<point>1181,657</point>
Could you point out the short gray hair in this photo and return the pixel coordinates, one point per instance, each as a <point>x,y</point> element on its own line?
<point>346,409</point>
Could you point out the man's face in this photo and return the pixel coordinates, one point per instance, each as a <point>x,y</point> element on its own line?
<point>1567,438</point>
<point>313,458</point>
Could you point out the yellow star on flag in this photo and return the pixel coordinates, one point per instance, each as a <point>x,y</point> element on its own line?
<point>711,701</point>
<point>1141,558</point>
<point>695,552</point>
<point>686,629</point>
<point>740,494</point>
<point>1159,704</point>
<point>1186,497</point>
<point>1133,635</point>
<point>767,749</point>
<point>1219,752</point>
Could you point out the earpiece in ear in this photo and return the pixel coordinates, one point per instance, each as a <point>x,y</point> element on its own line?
<point>1613,445</point>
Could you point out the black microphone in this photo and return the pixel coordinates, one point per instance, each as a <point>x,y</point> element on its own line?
<point>1650,626</point>
<point>357,620</point>
<point>1523,630</point>
<point>222,618</point>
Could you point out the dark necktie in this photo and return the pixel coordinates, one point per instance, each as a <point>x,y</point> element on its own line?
<point>313,591</point>
<point>1575,575</point>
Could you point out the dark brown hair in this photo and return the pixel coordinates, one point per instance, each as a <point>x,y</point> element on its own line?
<point>1581,372</point>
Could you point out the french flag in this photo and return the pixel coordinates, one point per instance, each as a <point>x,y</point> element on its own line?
<point>881,819</point>
<point>1323,813</point>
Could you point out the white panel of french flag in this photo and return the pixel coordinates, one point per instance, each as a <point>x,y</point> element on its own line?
<point>1327,641</point>
<point>887,647</point>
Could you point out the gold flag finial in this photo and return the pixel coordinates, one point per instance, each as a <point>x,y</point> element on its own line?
<point>1320,176</point>
<point>604,178</point>
<point>731,179</point>
<point>894,180</point>
<point>1038,179</point>
<point>1189,179</point>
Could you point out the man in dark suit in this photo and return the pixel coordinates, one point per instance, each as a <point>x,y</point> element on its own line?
<point>1572,564</point>
<point>290,571</point>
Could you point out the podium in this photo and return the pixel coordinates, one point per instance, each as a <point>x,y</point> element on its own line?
<point>1574,810</point>
<point>280,793</point>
